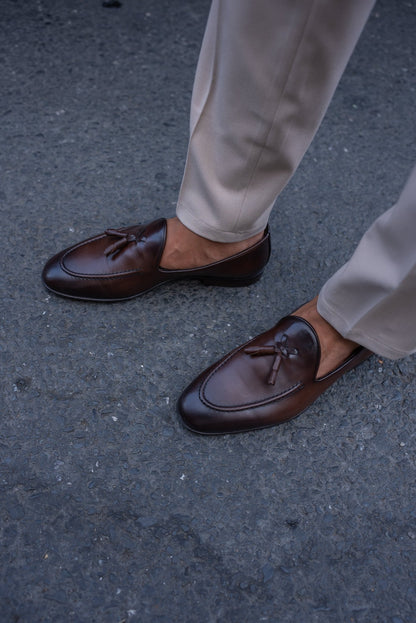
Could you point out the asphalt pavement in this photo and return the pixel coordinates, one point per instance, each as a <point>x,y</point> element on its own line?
<point>110,511</point>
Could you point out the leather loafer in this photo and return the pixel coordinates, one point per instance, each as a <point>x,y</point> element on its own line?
<point>264,382</point>
<point>123,263</point>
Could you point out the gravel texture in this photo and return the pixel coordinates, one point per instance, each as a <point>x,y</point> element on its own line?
<point>110,511</point>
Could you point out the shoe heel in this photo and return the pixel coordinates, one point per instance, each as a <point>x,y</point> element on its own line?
<point>230,282</point>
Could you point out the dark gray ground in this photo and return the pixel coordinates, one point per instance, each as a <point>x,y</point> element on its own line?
<point>110,511</point>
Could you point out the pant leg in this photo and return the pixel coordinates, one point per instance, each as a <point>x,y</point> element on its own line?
<point>266,74</point>
<point>372,298</point>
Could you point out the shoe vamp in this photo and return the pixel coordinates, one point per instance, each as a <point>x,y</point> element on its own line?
<point>90,259</point>
<point>243,380</point>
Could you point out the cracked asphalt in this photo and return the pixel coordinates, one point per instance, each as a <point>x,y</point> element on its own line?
<point>110,511</point>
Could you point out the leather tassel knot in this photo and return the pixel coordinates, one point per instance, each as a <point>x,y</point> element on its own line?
<point>123,240</point>
<point>280,350</point>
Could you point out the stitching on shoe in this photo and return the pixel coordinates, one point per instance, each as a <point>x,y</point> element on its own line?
<point>94,276</point>
<point>291,390</point>
<point>258,403</point>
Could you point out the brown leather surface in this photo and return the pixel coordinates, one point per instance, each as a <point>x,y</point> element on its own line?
<point>264,382</point>
<point>124,263</point>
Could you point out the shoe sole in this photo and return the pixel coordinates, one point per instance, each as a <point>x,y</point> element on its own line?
<point>225,282</point>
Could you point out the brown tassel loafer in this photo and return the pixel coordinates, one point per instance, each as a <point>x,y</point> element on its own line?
<point>123,263</point>
<point>266,381</point>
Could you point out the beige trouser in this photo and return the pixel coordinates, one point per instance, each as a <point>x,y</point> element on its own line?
<point>266,74</point>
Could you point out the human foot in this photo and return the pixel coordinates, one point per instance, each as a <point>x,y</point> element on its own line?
<point>185,249</point>
<point>266,381</point>
<point>334,348</point>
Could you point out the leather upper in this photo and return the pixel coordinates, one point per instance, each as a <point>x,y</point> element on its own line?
<point>245,378</point>
<point>264,382</point>
<point>122,263</point>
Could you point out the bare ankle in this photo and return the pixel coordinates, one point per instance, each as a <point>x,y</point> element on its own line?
<point>186,249</point>
<point>334,347</point>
